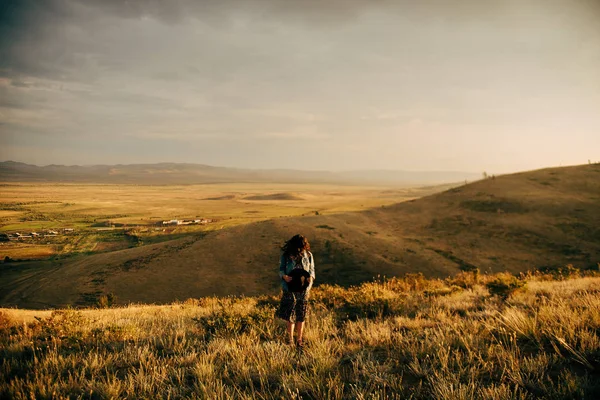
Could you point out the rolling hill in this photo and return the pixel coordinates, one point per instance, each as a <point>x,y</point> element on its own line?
<point>544,218</point>
<point>180,173</point>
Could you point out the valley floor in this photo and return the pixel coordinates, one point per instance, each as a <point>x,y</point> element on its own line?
<point>400,338</point>
<point>59,220</point>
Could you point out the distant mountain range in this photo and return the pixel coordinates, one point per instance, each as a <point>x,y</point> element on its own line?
<point>180,173</point>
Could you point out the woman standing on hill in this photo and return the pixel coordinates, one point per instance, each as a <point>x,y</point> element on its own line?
<point>297,273</point>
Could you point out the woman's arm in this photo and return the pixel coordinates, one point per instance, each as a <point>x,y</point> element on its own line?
<point>311,268</point>
<point>282,269</point>
<point>282,265</point>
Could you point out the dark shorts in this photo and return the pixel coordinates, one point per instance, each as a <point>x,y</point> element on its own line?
<point>293,303</point>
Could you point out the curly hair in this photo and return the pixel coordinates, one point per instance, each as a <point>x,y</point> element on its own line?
<point>295,246</point>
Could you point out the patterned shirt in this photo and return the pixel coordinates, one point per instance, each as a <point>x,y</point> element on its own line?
<point>286,265</point>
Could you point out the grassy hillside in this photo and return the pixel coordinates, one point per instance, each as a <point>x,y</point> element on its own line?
<point>399,338</point>
<point>545,218</point>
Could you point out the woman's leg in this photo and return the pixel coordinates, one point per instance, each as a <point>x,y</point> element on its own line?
<point>301,311</point>
<point>285,310</point>
<point>299,331</point>
<point>290,330</point>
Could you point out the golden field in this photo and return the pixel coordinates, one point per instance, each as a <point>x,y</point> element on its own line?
<point>400,338</point>
<point>141,312</point>
<point>26,207</point>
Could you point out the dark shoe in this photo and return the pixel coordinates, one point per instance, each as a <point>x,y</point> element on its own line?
<point>299,345</point>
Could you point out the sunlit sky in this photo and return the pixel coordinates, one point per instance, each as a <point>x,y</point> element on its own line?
<point>480,85</point>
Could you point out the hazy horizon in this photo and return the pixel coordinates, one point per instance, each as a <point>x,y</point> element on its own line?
<point>225,166</point>
<point>498,86</point>
<point>350,170</point>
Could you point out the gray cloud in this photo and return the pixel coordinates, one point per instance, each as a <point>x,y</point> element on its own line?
<point>215,79</point>
<point>303,12</point>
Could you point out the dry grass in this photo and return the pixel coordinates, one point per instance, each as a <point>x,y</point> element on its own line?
<point>17,250</point>
<point>397,338</point>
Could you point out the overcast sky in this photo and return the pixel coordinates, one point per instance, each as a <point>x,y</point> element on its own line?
<point>500,86</point>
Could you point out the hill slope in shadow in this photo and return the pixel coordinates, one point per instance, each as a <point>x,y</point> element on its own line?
<point>543,218</point>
